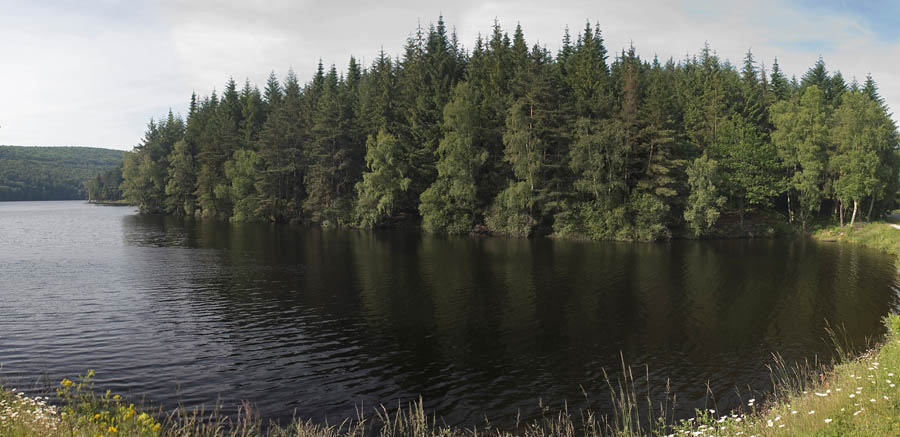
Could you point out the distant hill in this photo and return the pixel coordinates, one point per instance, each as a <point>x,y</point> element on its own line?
<point>51,173</point>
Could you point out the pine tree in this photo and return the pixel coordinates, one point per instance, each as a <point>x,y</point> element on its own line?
<point>281,149</point>
<point>450,204</point>
<point>778,83</point>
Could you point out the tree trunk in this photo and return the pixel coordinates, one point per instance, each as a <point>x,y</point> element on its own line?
<point>790,210</point>
<point>852,218</point>
<point>871,204</point>
<point>842,213</point>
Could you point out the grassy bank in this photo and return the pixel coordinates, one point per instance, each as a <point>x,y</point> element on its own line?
<point>859,396</point>
<point>877,235</point>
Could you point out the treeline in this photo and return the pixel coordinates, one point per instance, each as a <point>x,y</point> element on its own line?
<point>106,186</point>
<point>51,173</point>
<point>512,139</point>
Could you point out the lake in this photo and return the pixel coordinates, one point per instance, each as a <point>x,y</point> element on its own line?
<point>324,321</point>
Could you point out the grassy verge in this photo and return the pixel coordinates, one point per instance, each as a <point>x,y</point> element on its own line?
<point>878,235</point>
<point>857,397</point>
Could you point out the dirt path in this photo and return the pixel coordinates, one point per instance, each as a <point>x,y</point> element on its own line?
<point>896,217</point>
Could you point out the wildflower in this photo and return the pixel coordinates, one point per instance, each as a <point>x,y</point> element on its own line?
<point>860,411</point>
<point>793,411</point>
<point>872,400</point>
<point>812,411</point>
<point>117,397</point>
<point>852,395</point>
<point>113,429</point>
<point>827,420</point>
<point>885,397</point>
<point>66,383</point>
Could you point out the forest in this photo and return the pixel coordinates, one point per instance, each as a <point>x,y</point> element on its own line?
<point>511,139</point>
<point>51,173</point>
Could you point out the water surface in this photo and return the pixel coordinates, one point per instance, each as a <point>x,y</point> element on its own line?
<point>321,322</point>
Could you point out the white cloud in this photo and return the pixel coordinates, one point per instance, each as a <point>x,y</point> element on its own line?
<point>93,73</point>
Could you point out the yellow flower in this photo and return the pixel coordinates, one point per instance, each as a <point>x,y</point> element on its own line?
<point>97,416</point>
<point>156,428</point>
<point>66,383</point>
<point>117,397</point>
<point>113,429</point>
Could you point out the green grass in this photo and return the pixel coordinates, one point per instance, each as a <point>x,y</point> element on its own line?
<point>878,235</point>
<point>856,397</point>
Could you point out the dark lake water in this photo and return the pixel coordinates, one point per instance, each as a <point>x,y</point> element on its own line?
<point>321,322</point>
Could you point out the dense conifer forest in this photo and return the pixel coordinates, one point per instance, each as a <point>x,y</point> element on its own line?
<point>52,173</point>
<point>512,139</point>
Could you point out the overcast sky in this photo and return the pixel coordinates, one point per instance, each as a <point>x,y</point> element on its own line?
<point>93,72</point>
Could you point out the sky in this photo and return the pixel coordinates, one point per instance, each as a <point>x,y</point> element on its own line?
<point>93,72</point>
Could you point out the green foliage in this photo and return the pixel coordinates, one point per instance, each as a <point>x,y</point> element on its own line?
<point>704,203</point>
<point>84,412</point>
<point>244,170</point>
<point>106,186</point>
<point>57,173</point>
<point>449,204</point>
<point>384,182</point>
<point>180,198</point>
<point>511,139</point>
<point>510,213</point>
<point>865,138</point>
<point>801,136</point>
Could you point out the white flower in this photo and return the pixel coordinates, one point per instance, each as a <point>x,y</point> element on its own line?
<point>827,420</point>
<point>812,411</point>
